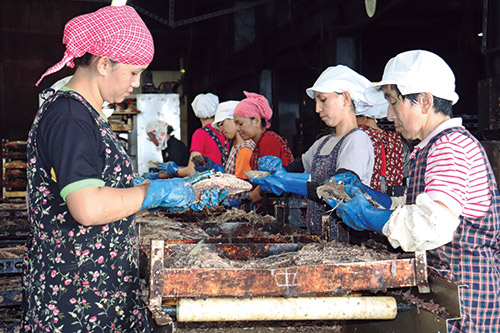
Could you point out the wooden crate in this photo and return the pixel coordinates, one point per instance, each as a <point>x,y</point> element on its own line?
<point>14,161</point>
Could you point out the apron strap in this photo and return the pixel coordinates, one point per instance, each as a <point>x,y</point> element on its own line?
<point>222,149</point>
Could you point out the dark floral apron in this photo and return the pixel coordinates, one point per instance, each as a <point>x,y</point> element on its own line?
<point>323,167</point>
<point>77,278</point>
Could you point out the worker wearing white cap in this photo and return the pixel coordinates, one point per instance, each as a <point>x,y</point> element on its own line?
<point>339,93</point>
<point>238,160</point>
<point>206,141</point>
<point>452,205</point>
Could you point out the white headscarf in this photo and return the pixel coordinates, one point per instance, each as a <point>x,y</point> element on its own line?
<point>376,111</point>
<point>159,129</point>
<point>341,78</point>
<point>205,105</point>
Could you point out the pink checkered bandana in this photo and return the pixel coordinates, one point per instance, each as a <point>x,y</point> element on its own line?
<point>116,32</point>
<point>254,105</point>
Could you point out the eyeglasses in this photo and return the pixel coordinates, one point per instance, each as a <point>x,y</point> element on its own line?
<point>219,124</point>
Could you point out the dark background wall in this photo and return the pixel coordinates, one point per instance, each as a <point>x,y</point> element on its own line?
<point>275,47</point>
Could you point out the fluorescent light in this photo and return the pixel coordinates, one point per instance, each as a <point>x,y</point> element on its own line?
<point>118,2</point>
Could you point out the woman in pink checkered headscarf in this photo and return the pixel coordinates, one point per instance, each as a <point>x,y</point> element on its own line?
<point>252,116</point>
<point>81,270</point>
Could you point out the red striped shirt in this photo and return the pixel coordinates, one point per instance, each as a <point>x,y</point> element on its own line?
<point>456,175</point>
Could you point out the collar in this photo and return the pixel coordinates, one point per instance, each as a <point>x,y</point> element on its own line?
<point>453,122</point>
<point>64,88</point>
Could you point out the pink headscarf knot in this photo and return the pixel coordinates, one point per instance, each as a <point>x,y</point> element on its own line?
<point>254,105</point>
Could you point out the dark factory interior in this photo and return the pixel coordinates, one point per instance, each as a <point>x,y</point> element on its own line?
<point>275,47</point>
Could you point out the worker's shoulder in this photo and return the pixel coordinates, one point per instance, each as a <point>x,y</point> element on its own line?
<point>173,141</point>
<point>65,107</point>
<point>200,132</point>
<point>270,137</point>
<point>457,139</point>
<point>358,136</point>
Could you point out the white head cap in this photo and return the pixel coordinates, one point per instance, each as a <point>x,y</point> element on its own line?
<point>376,111</point>
<point>204,105</point>
<point>341,78</point>
<point>416,71</point>
<point>224,111</point>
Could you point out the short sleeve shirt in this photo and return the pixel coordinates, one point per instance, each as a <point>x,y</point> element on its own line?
<point>203,143</point>
<point>71,146</point>
<point>271,146</point>
<point>356,154</point>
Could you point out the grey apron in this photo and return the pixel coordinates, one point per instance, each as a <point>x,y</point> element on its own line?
<point>323,167</point>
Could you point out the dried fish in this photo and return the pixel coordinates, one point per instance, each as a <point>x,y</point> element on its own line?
<point>334,190</point>
<point>238,215</point>
<point>319,254</point>
<point>11,252</point>
<point>152,227</point>
<point>198,160</point>
<point>231,183</point>
<point>16,145</point>
<point>10,282</point>
<point>15,165</point>
<point>256,174</point>
<point>421,303</point>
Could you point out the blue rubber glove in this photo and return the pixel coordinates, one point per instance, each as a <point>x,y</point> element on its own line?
<point>352,179</point>
<point>209,198</point>
<point>169,193</point>
<point>209,165</point>
<point>178,195</point>
<point>150,175</point>
<point>283,181</point>
<point>170,168</point>
<point>358,213</point>
<point>270,163</point>
<point>138,180</point>
<point>280,180</point>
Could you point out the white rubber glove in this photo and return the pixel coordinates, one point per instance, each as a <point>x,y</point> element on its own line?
<point>425,225</point>
<point>397,202</point>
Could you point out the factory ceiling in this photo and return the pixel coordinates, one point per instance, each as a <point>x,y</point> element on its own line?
<point>225,45</point>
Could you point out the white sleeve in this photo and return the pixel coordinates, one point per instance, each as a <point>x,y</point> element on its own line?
<point>425,225</point>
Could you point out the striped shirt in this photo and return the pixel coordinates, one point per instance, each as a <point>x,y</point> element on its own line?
<point>456,172</point>
<point>237,163</point>
<point>471,257</point>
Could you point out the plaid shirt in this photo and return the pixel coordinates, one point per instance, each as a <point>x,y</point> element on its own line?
<point>472,256</point>
<point>231,163</point>
<point>233,155</point>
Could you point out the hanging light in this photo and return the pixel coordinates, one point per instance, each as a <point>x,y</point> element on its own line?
<point>118,2</point>
<point>370,6</point>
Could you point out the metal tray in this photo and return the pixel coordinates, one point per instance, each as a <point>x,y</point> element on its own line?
<point>333,279</point>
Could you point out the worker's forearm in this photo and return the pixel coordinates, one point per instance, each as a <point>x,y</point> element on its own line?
<point>189,169</point>
<point>186,171</point>
<point>102,205</point>
<point>256,195</point>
